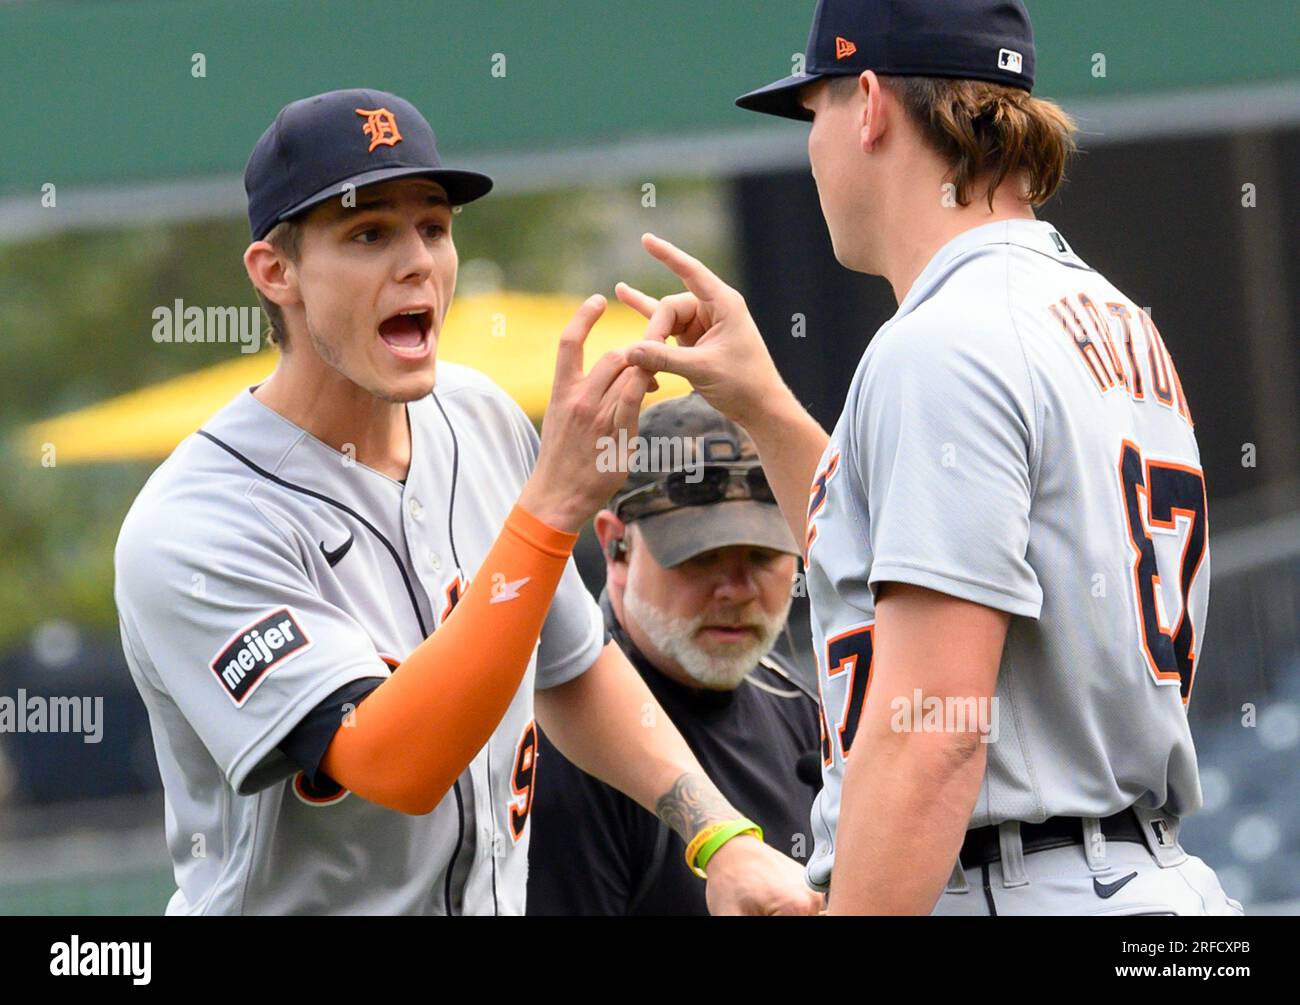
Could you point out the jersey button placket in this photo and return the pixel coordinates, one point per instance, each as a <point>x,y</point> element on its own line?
<point>415,511</point>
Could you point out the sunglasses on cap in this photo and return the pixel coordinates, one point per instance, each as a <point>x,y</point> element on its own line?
<point>712,483</point>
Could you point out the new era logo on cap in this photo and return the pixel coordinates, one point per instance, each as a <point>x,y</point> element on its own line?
<point>844,48</point>
<point>1009,59</point>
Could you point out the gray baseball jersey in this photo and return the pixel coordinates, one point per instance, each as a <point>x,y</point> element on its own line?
<point>260,570</point>
<point>1017,436</point>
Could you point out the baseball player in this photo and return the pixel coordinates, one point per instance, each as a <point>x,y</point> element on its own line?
<point>1006,537</point>
<point>339,598</point>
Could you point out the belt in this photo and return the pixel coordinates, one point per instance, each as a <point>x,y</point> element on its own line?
<point>982,845</point>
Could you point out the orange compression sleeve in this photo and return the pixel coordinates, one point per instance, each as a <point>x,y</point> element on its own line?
<point>411,738</point>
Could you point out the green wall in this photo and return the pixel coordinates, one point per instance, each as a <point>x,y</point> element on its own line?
<point>102,92</point>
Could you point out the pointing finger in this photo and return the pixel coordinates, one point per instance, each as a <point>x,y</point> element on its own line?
<point>691,271</point>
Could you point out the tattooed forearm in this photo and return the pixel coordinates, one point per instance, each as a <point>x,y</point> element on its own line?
<point>691,804</point>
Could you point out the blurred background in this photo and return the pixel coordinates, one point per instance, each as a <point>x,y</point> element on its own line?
<point>123,138</point>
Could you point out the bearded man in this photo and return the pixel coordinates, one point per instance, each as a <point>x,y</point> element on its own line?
<point>699,567</point>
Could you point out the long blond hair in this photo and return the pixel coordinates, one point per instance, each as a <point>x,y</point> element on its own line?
<point>982,128</point>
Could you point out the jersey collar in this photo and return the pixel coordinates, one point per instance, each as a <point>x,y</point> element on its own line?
<point>266,437</point>
<point>1035,235</point>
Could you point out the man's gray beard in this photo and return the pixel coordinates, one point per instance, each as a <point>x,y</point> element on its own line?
<point>675,639</point>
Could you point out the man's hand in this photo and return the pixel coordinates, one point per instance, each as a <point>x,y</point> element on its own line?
<point>748,877</point>
<point>719,350</point>
<point>567,486</point>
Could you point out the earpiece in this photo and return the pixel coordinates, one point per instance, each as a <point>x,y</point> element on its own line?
<point>616,549</point>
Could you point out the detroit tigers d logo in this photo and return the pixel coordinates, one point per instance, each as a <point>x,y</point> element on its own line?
<point>380,126</point>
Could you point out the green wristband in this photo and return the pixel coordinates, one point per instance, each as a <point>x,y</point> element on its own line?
<point>731,830</point>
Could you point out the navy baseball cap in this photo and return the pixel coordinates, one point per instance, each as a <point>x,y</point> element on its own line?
<point>354,137</point>
<point>675,534</point>
<point>965,39</point>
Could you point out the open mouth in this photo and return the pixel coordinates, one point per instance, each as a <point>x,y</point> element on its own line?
<point>406,333</point>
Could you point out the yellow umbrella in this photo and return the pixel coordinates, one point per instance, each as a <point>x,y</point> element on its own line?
<point>511,337</point>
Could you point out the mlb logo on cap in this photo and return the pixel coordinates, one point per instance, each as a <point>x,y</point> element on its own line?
<point>1010,60</point>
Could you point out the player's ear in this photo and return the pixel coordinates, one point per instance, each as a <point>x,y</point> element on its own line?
<point>271,273</point>
<point>873,121</point>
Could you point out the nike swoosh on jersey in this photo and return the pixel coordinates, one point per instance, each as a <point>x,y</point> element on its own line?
<point>336,556</point>
<point>501,592</point>
<point>1106,890</point>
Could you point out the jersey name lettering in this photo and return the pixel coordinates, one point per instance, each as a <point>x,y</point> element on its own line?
<point>1104,340</point>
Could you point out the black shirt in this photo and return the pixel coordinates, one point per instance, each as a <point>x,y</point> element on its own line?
<point>596,852</point>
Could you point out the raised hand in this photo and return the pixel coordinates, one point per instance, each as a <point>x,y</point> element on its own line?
<point>719,348</point>
<point>567,486</point>
<point>720,351</point>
